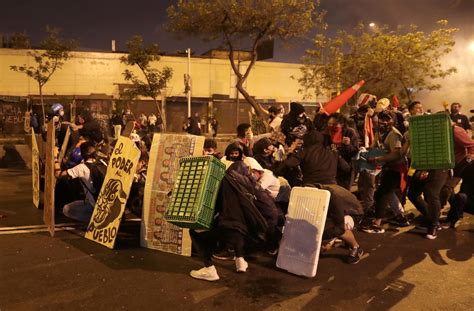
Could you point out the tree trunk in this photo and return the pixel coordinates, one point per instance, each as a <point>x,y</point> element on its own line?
<point>259,111</point>
<point>162,110</point>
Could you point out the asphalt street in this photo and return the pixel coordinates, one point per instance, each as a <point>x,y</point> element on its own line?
<point>401,270</point>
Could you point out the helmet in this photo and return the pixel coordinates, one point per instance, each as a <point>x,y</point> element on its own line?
<point>56,107</point>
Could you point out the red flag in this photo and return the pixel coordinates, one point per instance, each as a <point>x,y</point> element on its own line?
<point>337,102</point>
<point>395,102</point>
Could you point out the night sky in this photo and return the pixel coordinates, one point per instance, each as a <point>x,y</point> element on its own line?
<point>95,23</point>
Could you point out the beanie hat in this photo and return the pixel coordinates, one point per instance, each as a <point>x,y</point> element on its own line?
<point>296,108</point>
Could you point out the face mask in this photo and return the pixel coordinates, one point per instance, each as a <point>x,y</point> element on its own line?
<point>384,129</point>
<point>333,129</point>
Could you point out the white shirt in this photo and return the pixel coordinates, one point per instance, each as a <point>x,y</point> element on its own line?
<point>269,182</point>
<point>83,172</point>
<point>152,119</point>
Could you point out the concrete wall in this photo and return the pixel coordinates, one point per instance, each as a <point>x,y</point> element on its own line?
<point>90,72</point>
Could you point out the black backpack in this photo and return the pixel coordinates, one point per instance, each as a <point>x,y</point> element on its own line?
<point>97,174</point>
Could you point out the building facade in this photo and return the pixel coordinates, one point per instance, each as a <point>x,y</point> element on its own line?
<point>91,77</point>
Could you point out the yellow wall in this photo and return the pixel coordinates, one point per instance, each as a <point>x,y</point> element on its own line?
<point>92,72</point>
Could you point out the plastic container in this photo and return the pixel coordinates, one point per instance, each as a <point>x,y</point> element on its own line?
<point>431,142</point>
<point>303,231</point>
<point>195,191</point>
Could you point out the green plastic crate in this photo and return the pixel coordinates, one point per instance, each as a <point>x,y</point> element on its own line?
<point>431,142</point>
<point>195,192</point>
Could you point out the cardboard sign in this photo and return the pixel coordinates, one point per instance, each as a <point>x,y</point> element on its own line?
<point>128,128</point>
<point>64,146</point>
<point>49,179</point>
<point>26,124</point>
<point>35,174</point>
<point>156,232</point>
<point>113,195</point>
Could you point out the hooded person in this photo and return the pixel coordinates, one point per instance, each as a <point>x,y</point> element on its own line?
<point>295,124</point>
<point>233,153</point>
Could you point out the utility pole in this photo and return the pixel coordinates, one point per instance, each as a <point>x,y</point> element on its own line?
<point>188,82</point>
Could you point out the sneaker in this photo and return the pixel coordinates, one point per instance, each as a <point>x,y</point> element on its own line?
<point>432,233</point>
<point>241,265</point>
<point>373,229</point>
<point>400,221</point>
<point>354,255</point>
<point>227,255</point>
<point>206,273</point>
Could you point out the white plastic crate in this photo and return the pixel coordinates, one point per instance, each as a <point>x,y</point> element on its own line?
<point>303,231</point>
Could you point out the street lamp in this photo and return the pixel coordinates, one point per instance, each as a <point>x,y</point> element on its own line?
<point>372,25</point>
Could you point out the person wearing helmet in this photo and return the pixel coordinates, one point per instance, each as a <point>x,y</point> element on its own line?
<point>57,110</point>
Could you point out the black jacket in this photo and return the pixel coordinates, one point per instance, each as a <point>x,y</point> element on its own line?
<point>318,164</point>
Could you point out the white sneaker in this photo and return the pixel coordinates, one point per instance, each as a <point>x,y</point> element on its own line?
<point>206,273</point>
<point>241,265</point>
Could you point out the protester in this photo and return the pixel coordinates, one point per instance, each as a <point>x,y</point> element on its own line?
<point>425,187</point>
<point>116,122</point>
<point>459,118</point>
<point>464,155</point>
<point>152,123</point>
<point>275,117</point>
<point>343,140</point>
<point>210,148</point>
<point>81,210</point>
<point>245,138</point>
<point>263,151</point>
<point>214,127</point>
<point>295,124</point>
<point>390,139</point>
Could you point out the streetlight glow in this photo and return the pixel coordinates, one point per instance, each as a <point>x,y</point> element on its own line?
<point>471,46</point>
<point>372,24</point>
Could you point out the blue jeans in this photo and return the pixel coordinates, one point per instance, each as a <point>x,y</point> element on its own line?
<point>79,210</point>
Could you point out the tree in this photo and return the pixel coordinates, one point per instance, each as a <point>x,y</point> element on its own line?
<point>53,53</point>
<point>155,80</point>
<point>243,24</point>
<point>19,40</point>
<point>400,62</point>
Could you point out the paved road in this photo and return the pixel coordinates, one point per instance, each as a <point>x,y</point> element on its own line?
<point>401,271</point>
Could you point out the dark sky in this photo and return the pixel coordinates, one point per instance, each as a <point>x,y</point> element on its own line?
<point>95,23</point>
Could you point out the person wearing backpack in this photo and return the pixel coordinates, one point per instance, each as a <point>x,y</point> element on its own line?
<point>91,178</point>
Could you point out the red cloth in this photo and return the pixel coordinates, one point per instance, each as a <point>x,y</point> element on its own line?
<point>336,135</point>
<point>395,102</point>
<point>368,131</point>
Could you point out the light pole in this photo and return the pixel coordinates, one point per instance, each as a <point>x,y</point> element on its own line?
<point>188,82</point>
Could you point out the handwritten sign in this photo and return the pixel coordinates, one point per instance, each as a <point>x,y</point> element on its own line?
<point>62,152</point>
<point>156,232</point>
<point>113,195</point>
<point>35,169</point>
<point>49,179</point>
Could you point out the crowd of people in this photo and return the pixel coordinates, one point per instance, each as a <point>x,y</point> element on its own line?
<point>369,149</point>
